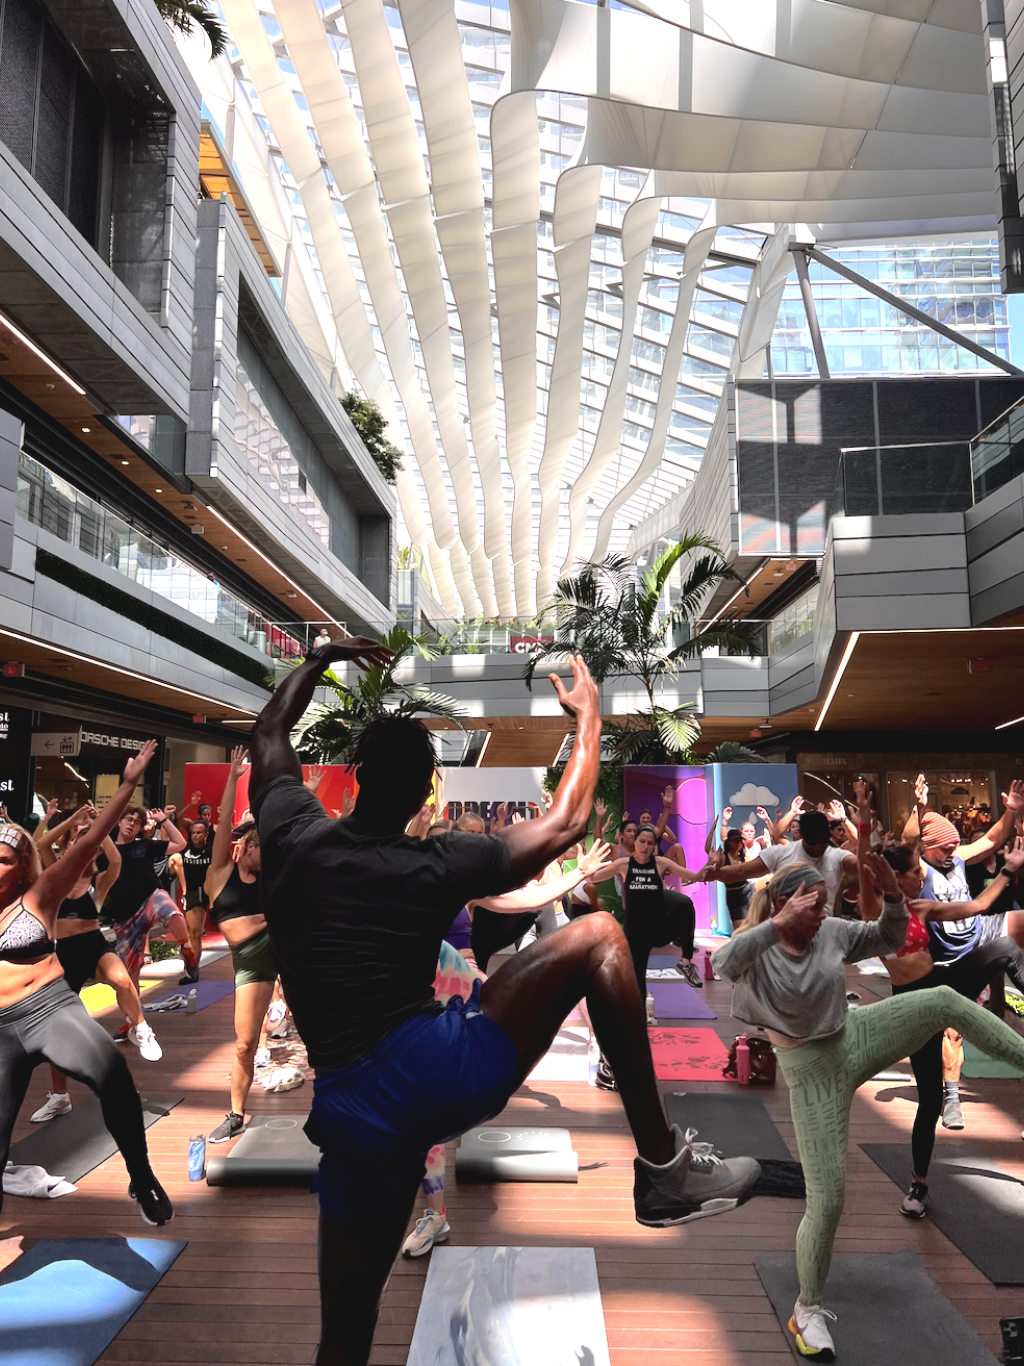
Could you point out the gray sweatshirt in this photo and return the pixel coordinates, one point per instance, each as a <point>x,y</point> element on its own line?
<point>804,995</point>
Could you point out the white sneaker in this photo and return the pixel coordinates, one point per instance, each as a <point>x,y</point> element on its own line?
<point>144,1039</point>
<point>262,1058</point>
<point>57,1103</point>
<point>432,1228</point>
<point>813,1340</point>
<point>276,1012</point>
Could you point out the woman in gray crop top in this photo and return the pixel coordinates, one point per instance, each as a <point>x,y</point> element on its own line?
<point>787,965</point>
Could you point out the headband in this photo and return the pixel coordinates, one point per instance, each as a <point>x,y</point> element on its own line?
<point>10,834</point>
<point>791,879</point>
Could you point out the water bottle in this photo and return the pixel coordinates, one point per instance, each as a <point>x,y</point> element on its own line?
<point>197,1157</point>
<point>709,971</point>
<point>190,1008</point>
<point>593,1059</point>
<point>651,1020</point>
<point>742,1061</point>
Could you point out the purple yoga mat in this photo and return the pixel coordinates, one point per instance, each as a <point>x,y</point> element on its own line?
<point>206,994</point>
<point>678,1001</point>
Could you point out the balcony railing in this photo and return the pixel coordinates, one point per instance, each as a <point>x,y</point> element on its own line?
<point>918,477</point>
<point>997,452</point>
<point>46,500</point>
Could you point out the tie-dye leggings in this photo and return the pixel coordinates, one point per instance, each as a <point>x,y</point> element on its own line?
<point>823,1076</point>
<point>455,977</point>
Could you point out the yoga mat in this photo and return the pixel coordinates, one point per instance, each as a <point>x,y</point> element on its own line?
<point>566,1059</point>
<point>737,1122</point>
<point>273,1151</point>
<point>976,1204</point>
<point>515,1154</point>
<point>661,960</point>
<point>688,1054</point>
<point>979,1064</point>
<point>174,967</point>
<point>890,1308</point>
<point>65,1300</point>
<point>510,1305</point>
<point>98,997</point>
<point>73,1145</point>
<point>679,1001</point>
<point>206,994</point>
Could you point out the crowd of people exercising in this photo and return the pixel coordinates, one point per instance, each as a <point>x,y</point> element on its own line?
<point>379,929</point>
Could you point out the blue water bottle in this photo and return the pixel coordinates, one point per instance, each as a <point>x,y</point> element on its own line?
<point>197,1157</point>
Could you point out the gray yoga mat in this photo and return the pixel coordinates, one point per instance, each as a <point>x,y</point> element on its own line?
<point>976,1204</point>
<point>890,1309</point>
<point>516,1154</point>
<point>738,1124</point>
<point>273,1151</point>
<point>510,1306</point>
<point>74,1145</point>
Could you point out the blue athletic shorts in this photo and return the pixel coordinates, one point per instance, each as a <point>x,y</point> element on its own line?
<point>431,1079</point>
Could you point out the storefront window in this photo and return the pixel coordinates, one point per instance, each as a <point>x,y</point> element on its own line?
<point>965,796</point>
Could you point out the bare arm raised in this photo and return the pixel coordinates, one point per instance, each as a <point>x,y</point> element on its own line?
<point>220,859</point>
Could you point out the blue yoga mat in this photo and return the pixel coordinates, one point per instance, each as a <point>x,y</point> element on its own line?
<point>679,1001</point>
<point>206,994</point>
<point>65,1300</point>
<point>661,960</point>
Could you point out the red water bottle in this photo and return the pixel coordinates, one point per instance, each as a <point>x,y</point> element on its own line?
<point>709,972</point>
<point>742,1061</point>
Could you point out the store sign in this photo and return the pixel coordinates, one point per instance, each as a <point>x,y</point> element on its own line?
<point>52,744</point>
<point>525,645</point>
<point>15,750</point>
<point>105,741</point>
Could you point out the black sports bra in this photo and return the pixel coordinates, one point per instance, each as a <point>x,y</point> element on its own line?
<point>237,899</point>
<point>78,907</point>
<point>24,939</point>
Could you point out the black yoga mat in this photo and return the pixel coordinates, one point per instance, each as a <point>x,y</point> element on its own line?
<point>273,1151</point>
<point>739,1125</point>
<point>516,1153</point>
<point>976,1204</point>
<point>890,1309</point>
<point>73,1145</point>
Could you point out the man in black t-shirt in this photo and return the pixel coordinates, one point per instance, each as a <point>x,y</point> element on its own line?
<point>356,911</point>
<point>137,903</point>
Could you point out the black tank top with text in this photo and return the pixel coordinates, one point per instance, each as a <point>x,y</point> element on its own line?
<point>643,887</point>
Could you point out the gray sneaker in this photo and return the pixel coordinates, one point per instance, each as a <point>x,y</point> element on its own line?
<point>694,1185</point>
<point>952,1115</point>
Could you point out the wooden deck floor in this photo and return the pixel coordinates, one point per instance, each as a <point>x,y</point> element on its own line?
<point>245,1290</point>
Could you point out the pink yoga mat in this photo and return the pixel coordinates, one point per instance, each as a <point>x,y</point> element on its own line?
<point>688,1054</point>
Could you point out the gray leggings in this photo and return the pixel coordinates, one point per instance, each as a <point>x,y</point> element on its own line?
<point>823,1076</point>
<point>53,1026</point>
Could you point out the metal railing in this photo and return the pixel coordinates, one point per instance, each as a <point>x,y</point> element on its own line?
<point>997,452</point>
<point>915,477</point>
<point>46,500</point>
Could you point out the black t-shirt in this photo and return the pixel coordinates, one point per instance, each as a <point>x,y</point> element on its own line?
<point>356,917</point>
<point>979,878</point>
<point>138,879</point>
<point>196,864</point>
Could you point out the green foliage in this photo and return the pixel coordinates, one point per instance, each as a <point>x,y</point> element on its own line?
<point>152,618</point>
<point>328,734</point>
<point>662,735</point>
<point>185,14</point>
<point>610,790</point>
<point>371,425</point>
<point>732,752</point>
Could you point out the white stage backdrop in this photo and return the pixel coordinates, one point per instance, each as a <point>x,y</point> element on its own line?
<point>481,789</point>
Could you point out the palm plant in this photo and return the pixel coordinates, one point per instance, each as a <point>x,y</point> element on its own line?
<point>732,752</point>
<point>611,617</point>
<point>185,14</point>
<point>328,734</point>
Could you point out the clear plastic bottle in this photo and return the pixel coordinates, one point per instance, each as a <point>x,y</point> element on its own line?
<point>651,1017</point>
<point>593,1059</point>
<point>191,1003</point>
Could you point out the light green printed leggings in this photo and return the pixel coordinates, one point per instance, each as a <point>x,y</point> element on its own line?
<point>823,1077</point>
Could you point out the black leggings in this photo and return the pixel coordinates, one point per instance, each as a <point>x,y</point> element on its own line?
<point>674,925</point>
<point>53,1026</point>
<point>969,976</point>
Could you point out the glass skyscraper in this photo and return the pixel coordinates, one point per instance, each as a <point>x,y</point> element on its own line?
<point>956,282</point>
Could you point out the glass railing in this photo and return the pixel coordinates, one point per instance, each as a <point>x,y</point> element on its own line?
<point>997,452</point>
<point>920,477</point>
<point>46,500</point>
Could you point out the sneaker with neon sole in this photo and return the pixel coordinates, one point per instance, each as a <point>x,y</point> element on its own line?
<point>810,1332</point>
<point>432,1228</point>
<point>57,1103</point>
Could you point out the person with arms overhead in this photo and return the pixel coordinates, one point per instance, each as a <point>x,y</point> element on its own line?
<point>356,911</point>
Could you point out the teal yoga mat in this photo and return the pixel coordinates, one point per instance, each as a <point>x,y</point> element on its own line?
<point>65,1300</point>
<point>979,1064</point>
